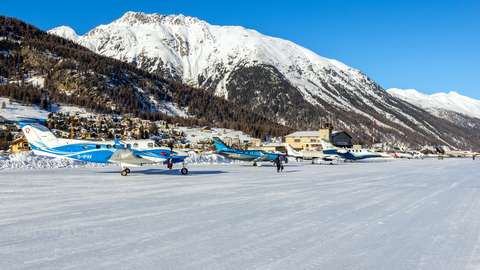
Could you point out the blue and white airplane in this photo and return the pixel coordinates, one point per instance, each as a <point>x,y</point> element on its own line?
<point>126,153</point>
<point>347,153</point>
<point>244,155</point>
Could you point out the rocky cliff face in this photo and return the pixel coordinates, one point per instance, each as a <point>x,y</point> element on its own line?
<point>284,81</point>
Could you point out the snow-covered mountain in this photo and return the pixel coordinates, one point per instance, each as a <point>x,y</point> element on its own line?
<point>451,101</point>
<point>277,78</point>
<point>203,55</point>
<point>66,32</point>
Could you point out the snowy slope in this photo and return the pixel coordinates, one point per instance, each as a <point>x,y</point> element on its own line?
<point>413,214</point>
<point>195,51</point>
<point>16,110</point>
<point>451,101</point>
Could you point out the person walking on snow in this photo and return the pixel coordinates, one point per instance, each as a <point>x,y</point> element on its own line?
<point>278,161</point>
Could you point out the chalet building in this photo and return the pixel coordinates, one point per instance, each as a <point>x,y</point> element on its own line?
<point>231,141</point>
<point>310,140</point>
<point>136,120</point>
<point>20,145</point>
<point>255,141</point>
<point>146,123</point>
<point>270,147</point>
<point>10,128</point>
<point>126,123</point>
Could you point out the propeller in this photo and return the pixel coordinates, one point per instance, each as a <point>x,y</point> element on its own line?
<point>170,161</point>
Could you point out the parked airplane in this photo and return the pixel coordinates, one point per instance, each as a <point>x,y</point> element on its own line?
<point>406,154</point>
<point>445,151</point>
<point>244,155</point>
<point>347,153</point>
<point>303,155</point>
<point>125,153</point>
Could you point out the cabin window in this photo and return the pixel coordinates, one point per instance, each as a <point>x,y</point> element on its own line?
<point>135,145</point>
<point>150,145</point>
<point>85,146</point>
<point>97,146</point>
<point>109,146</point>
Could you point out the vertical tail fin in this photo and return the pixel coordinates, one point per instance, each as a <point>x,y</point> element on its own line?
<point>219,144</point>
<point>326,144</point>
<point>291,151</point>
<point>38,135</point>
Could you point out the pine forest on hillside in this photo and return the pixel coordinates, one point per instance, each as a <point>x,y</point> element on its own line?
<point>74,75</point>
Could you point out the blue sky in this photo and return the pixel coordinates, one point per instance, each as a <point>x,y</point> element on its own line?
<point>430,46</point>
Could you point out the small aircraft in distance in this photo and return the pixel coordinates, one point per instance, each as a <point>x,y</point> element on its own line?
<point>125,153</point>
<point>445,151</point>
<point>407,154</point>
<point>347,153</point>
<point>244,155</point>
<point>317,155</point>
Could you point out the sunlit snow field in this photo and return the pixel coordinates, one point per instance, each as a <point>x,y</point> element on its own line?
<point>399,214</point>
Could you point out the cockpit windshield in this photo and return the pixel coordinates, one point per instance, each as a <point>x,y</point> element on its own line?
<point>157,144</point>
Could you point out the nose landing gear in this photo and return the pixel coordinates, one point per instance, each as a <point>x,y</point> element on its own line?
<point>184,170</point>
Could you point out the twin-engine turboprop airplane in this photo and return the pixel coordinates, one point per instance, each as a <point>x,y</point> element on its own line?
<point>307,156</point>
<point>244,155</point>
<point>126,153</point>
<point>347,153</point>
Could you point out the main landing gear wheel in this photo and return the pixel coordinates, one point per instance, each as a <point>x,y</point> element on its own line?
<point>345,161</point>
<point>124,171</point>
<point>184,171</point>
<point>254,164</point>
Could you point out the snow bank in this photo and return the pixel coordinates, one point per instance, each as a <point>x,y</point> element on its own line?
<point>196,159</point>
<point>28,160</point>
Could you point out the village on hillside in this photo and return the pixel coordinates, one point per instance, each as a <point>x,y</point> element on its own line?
<point>80,125</point>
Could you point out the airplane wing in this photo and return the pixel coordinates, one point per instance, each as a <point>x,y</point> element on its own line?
<point>126,156</point>
<point>260,158</point>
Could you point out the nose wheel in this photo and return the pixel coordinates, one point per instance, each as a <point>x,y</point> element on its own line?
<point>184,170</point>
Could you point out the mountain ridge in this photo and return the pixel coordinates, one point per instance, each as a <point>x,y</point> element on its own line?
<point>452,101</point>
<point>299,92</point>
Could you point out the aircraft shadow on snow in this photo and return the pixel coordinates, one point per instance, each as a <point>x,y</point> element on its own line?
<point>167,172</point>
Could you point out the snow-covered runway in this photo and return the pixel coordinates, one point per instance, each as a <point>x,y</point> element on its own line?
<point>401,214</point>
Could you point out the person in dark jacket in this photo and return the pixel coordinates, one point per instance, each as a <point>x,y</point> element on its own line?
<point>278,161</point>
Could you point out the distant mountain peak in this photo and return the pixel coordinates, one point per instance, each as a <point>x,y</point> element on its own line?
<point>138,18</point>
<point>452,101</point>
<point>65,32</point>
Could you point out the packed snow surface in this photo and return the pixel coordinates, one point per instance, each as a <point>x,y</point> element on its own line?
<point>452,101</point>
<point>401,214</point>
